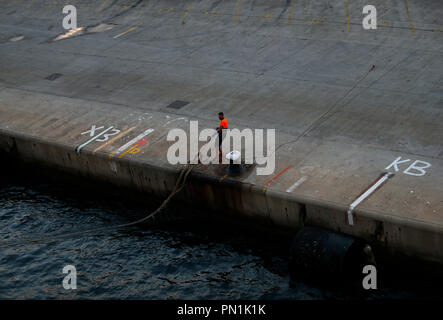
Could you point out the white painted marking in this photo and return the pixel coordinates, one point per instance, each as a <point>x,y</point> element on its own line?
<point>366,194</point>
<point>92,130</point>
<point>172,120</point>
<point>80,147</point>
<point>414,166</point>
<point>137,138</point>
<point>396,163</point>
<point>415,169</point>
<point>106,137</point>
<point>297,184</point>
<point>143,117</point>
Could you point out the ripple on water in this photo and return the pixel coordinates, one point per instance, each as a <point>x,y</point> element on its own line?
<point>138,263</point>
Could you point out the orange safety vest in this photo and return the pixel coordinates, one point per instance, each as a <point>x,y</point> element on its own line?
<point>224,124</point>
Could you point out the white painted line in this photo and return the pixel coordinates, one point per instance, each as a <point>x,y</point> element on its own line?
<point>297,184</point>
<point>80,147</point>
<point>137,138</point>
<point>366,194</point>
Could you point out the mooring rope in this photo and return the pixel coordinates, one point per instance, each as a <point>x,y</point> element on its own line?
<point>179,185</point>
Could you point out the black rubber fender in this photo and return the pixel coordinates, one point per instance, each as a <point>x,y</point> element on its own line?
<point>320,252</point>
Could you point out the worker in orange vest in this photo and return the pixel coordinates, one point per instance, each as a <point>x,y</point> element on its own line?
<point>223,125</point>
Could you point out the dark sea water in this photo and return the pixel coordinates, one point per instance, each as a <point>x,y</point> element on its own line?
<point>173,259</point>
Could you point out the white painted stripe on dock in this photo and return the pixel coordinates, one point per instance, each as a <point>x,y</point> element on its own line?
<point>137,138</point>
<point>366,194</point>
<point>80,147</point>
<point>297,184</point>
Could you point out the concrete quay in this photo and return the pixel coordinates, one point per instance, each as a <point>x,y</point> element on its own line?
<point>303,68</point>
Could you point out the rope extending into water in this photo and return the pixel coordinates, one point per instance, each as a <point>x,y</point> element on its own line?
<point>179,185</point>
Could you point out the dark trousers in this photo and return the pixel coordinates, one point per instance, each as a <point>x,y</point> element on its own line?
<point>220,137</point>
